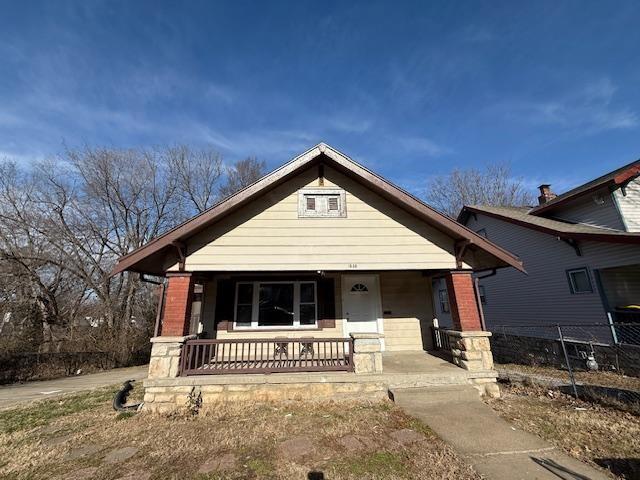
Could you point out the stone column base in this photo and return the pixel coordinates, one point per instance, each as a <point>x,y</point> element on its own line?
<point>367,352</point>
<point>471,350</point>
<point>165,356</point>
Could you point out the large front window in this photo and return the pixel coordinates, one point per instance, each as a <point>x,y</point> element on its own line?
<point>276,305</point>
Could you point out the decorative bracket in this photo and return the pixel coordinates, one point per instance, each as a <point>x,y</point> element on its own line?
<point>181,249</point>
<point>573,244</point>
<point>459,249</point>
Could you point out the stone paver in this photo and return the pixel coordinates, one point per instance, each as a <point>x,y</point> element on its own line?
<point>226,462</point>
<point>83,451</point>
<point>351,443</point>
<point>136,475</point>
<point>81,474</point>
<point>120,455</point>
<point>296,448</point>
<point>19,393</point>
<point>494,447</point>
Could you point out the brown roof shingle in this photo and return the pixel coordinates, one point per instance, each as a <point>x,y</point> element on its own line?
<point>579,231</point>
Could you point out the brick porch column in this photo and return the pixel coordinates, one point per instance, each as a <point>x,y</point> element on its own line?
<point>177,305</point>
<point>167,348</point>
<point>462,301</point>
<point>470,347</point>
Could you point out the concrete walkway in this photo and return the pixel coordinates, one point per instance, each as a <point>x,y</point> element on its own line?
<point>19,393</point>
<point>494,447</point>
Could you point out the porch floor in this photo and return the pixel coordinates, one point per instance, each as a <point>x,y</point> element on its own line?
<point>416,362</point>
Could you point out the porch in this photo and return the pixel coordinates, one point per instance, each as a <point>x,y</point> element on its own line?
<point>401,370</point>
<point>620,288</point>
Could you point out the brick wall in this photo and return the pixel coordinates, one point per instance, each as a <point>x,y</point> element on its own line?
<point>177,306</point>
<point>462,301</point>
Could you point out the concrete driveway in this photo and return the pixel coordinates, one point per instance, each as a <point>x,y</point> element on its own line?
<point>20,393</point>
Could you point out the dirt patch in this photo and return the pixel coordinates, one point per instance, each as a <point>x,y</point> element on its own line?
<point>236,441</point>
<point>590,432</point>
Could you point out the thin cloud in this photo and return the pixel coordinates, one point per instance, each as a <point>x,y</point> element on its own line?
<point>422,145</point>
<point>589,110</point>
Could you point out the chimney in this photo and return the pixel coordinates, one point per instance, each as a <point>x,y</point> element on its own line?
<point>546,194</point>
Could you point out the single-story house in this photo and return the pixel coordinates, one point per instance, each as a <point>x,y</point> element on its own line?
<point>582,251</point>
<point>320,266</point>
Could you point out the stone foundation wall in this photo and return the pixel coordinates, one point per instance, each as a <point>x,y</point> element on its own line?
<point>168,398</point>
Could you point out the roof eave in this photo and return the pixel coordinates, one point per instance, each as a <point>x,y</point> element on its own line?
<point>336,159</point>
<point>596,237</point>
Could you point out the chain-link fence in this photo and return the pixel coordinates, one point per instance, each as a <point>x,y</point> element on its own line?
<point>594,358</point>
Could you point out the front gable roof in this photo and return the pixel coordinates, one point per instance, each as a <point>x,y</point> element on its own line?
<point>479,252</point>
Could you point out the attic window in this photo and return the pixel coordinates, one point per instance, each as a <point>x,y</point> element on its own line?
<point>311,203</point>
<point>321,203</point>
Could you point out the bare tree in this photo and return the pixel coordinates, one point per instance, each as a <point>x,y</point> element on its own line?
<point>495,185</point>
<point>242,174</point>
<point>65,222</point>
<point>198,173</point>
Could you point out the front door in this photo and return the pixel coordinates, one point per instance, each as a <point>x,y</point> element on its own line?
<point>361,304</point>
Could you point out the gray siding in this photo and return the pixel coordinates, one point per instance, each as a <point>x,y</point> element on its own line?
<point>543,296</point>
<point>586,210</point>
<point>629,205</point>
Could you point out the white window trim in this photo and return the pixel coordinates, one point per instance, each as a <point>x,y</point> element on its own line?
<point>255,310</point>
<point>333,192</point>
<point>572,284</point>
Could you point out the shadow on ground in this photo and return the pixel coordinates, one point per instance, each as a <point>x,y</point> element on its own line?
<point>628,468</point>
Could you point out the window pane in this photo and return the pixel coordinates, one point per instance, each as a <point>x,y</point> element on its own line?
<point>333,203</point>
<point>243,315</point>
<point>307,294</point>
<point>245,293</point>
<point>276,304</point>
<point>307,314</point>
<point>581,281</point>
<point>311,203</point>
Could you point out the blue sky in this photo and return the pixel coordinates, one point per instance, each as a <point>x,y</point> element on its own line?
<point>410,89</point>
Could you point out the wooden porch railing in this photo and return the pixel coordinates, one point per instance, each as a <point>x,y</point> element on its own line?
<point>262,355</point>
<point>440,339</point>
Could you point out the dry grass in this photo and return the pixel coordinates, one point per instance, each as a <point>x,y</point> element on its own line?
<point>605,379</point>
<point>604,436</point>
<point>42,441</point>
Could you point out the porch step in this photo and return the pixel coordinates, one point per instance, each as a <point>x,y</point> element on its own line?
<point>434,395</point>
<point>428,380</point>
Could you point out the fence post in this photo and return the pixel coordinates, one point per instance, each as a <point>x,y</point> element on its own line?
<point>566,358</point>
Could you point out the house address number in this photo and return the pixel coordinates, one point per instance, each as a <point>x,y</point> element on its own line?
<point>353,265</point>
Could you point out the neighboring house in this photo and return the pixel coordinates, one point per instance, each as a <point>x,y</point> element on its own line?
<point>318,266</point>
<point>581,250</point>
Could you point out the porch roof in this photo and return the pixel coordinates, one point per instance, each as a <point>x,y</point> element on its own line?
<point>474,249</point>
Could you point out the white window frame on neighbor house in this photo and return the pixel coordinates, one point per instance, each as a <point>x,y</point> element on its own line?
<point>572,283</point>
<point>321,197</point>
<point>255,306</point>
